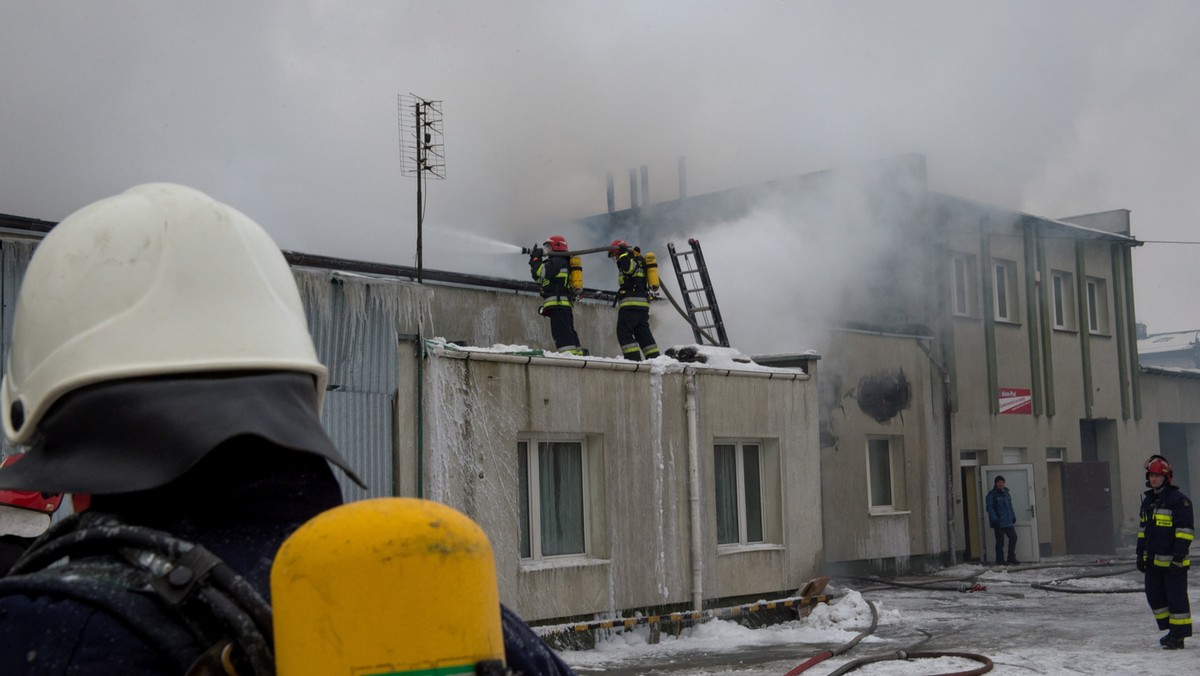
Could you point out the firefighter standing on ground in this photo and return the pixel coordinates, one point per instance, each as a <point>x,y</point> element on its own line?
<point>1164,537</point>
<point>633,302</point>
<point>550,268</point>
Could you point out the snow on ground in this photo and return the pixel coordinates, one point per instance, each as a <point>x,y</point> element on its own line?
<point>1021,628</point>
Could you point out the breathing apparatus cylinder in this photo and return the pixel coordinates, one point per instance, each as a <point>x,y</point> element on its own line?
<point>651,269</point>
<point>576,273</point>
<point>389,585</point>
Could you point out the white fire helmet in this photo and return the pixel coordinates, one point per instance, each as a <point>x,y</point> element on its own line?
<point>161,279</point>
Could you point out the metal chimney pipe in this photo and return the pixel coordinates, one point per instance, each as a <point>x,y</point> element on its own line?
<point>633,194</point>
<point>612,194</point>
<point>645,185</point>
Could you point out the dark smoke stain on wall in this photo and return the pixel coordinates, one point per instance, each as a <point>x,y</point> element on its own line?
<point>829,399</point>
<point>884,395</point>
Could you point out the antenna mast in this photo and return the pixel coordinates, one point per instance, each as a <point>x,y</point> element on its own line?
<point>422,153</point>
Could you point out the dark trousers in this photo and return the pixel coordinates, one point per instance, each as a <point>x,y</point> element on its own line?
<point>1012,544</point>
<point>562,327</point>
<point>1167,594</point>
<point>633,333</point>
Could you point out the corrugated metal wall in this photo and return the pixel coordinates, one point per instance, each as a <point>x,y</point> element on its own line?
<point>14,258</point>
<point>356,339</point>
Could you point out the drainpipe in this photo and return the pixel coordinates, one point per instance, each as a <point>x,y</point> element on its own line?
<point>693,440</point>
<point>947,432</point>
<point>420,416</point>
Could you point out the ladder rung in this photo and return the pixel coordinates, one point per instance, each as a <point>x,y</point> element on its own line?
<point>698,289</point>
<point>703,308</point>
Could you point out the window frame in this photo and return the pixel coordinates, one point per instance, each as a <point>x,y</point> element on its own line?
<point>1062,299</point>
<point>963,285</point>
<point>746,517</point>
<point>893,447</point>
<point>1005,299</point>
<point>531,538</point>
<point>1097,301</point>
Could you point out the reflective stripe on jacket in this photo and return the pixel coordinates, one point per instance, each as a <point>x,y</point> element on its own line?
<point>552,275</point>
<point>1165,527</point>
<point>631,280</point>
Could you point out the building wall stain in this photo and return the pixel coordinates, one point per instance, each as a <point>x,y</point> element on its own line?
<point>884,395</point>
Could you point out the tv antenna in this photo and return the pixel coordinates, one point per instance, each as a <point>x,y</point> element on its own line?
<point>422,153</point>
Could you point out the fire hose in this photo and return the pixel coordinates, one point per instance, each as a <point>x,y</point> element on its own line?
<point>985,662</point>
<point>897,655</point>
<point>822,656</point>
<point>685,316</point>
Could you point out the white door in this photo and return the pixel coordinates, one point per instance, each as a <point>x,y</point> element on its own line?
<point>1018,479</point>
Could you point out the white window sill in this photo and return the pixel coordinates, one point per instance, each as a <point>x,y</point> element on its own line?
<point>742,549</point>
<point>890,512</point>
<point>560,562</point>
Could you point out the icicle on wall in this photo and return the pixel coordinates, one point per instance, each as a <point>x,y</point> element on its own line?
<point>406,305</point>
<point>656,440</point>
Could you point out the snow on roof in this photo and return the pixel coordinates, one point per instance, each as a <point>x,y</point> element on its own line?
<point>1178,341</point>
<point>714,358</point>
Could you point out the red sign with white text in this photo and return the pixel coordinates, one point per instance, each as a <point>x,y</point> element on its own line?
<point>1016,401</point>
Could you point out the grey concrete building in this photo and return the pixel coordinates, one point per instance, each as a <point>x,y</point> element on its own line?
<point>605,486</point>
<point>975,341</point>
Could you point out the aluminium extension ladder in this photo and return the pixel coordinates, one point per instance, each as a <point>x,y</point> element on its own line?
<point>698,298</point>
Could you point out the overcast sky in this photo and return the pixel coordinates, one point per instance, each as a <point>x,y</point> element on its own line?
<point>288,111</point>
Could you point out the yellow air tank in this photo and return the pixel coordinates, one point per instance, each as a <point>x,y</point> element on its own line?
<point>651,270</point>
<point>386,586</point>
<point>575,278</point>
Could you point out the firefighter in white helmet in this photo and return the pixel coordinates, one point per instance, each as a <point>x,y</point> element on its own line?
<point>162,364</point>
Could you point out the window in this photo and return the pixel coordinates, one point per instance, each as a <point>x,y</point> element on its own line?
<point>1013,455</point>
<point>885,464</point>
<point>1062,299</point>
<point>1006,290</point>
<point>1097,300</point>
<point>738,468</point>
<point>1055,454</point>
<point>962,285</point>
<point>553,486</point>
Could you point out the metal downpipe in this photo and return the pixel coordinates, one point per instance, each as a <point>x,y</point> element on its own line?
<point>693,438</point>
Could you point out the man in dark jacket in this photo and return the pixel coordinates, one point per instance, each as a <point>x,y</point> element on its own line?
<point>1164,538</point>
<point>633,303</point>
<point>1002,518</point>
<point>550,268</point>
<point>161,365</point>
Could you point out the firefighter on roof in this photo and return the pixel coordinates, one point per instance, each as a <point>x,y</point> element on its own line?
<point>633,301</point>
<point>550,268</point>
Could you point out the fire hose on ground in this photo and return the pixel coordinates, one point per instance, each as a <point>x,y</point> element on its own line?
<point>960,585</point>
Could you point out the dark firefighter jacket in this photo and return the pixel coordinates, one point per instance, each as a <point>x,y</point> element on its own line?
<point>631,280</point>
<point>45,633</point>
<point>243,524</point>
<point>552,274</point>
<point>1165,532</point>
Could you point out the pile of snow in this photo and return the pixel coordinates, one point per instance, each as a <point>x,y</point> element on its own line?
<point>828,624</point>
